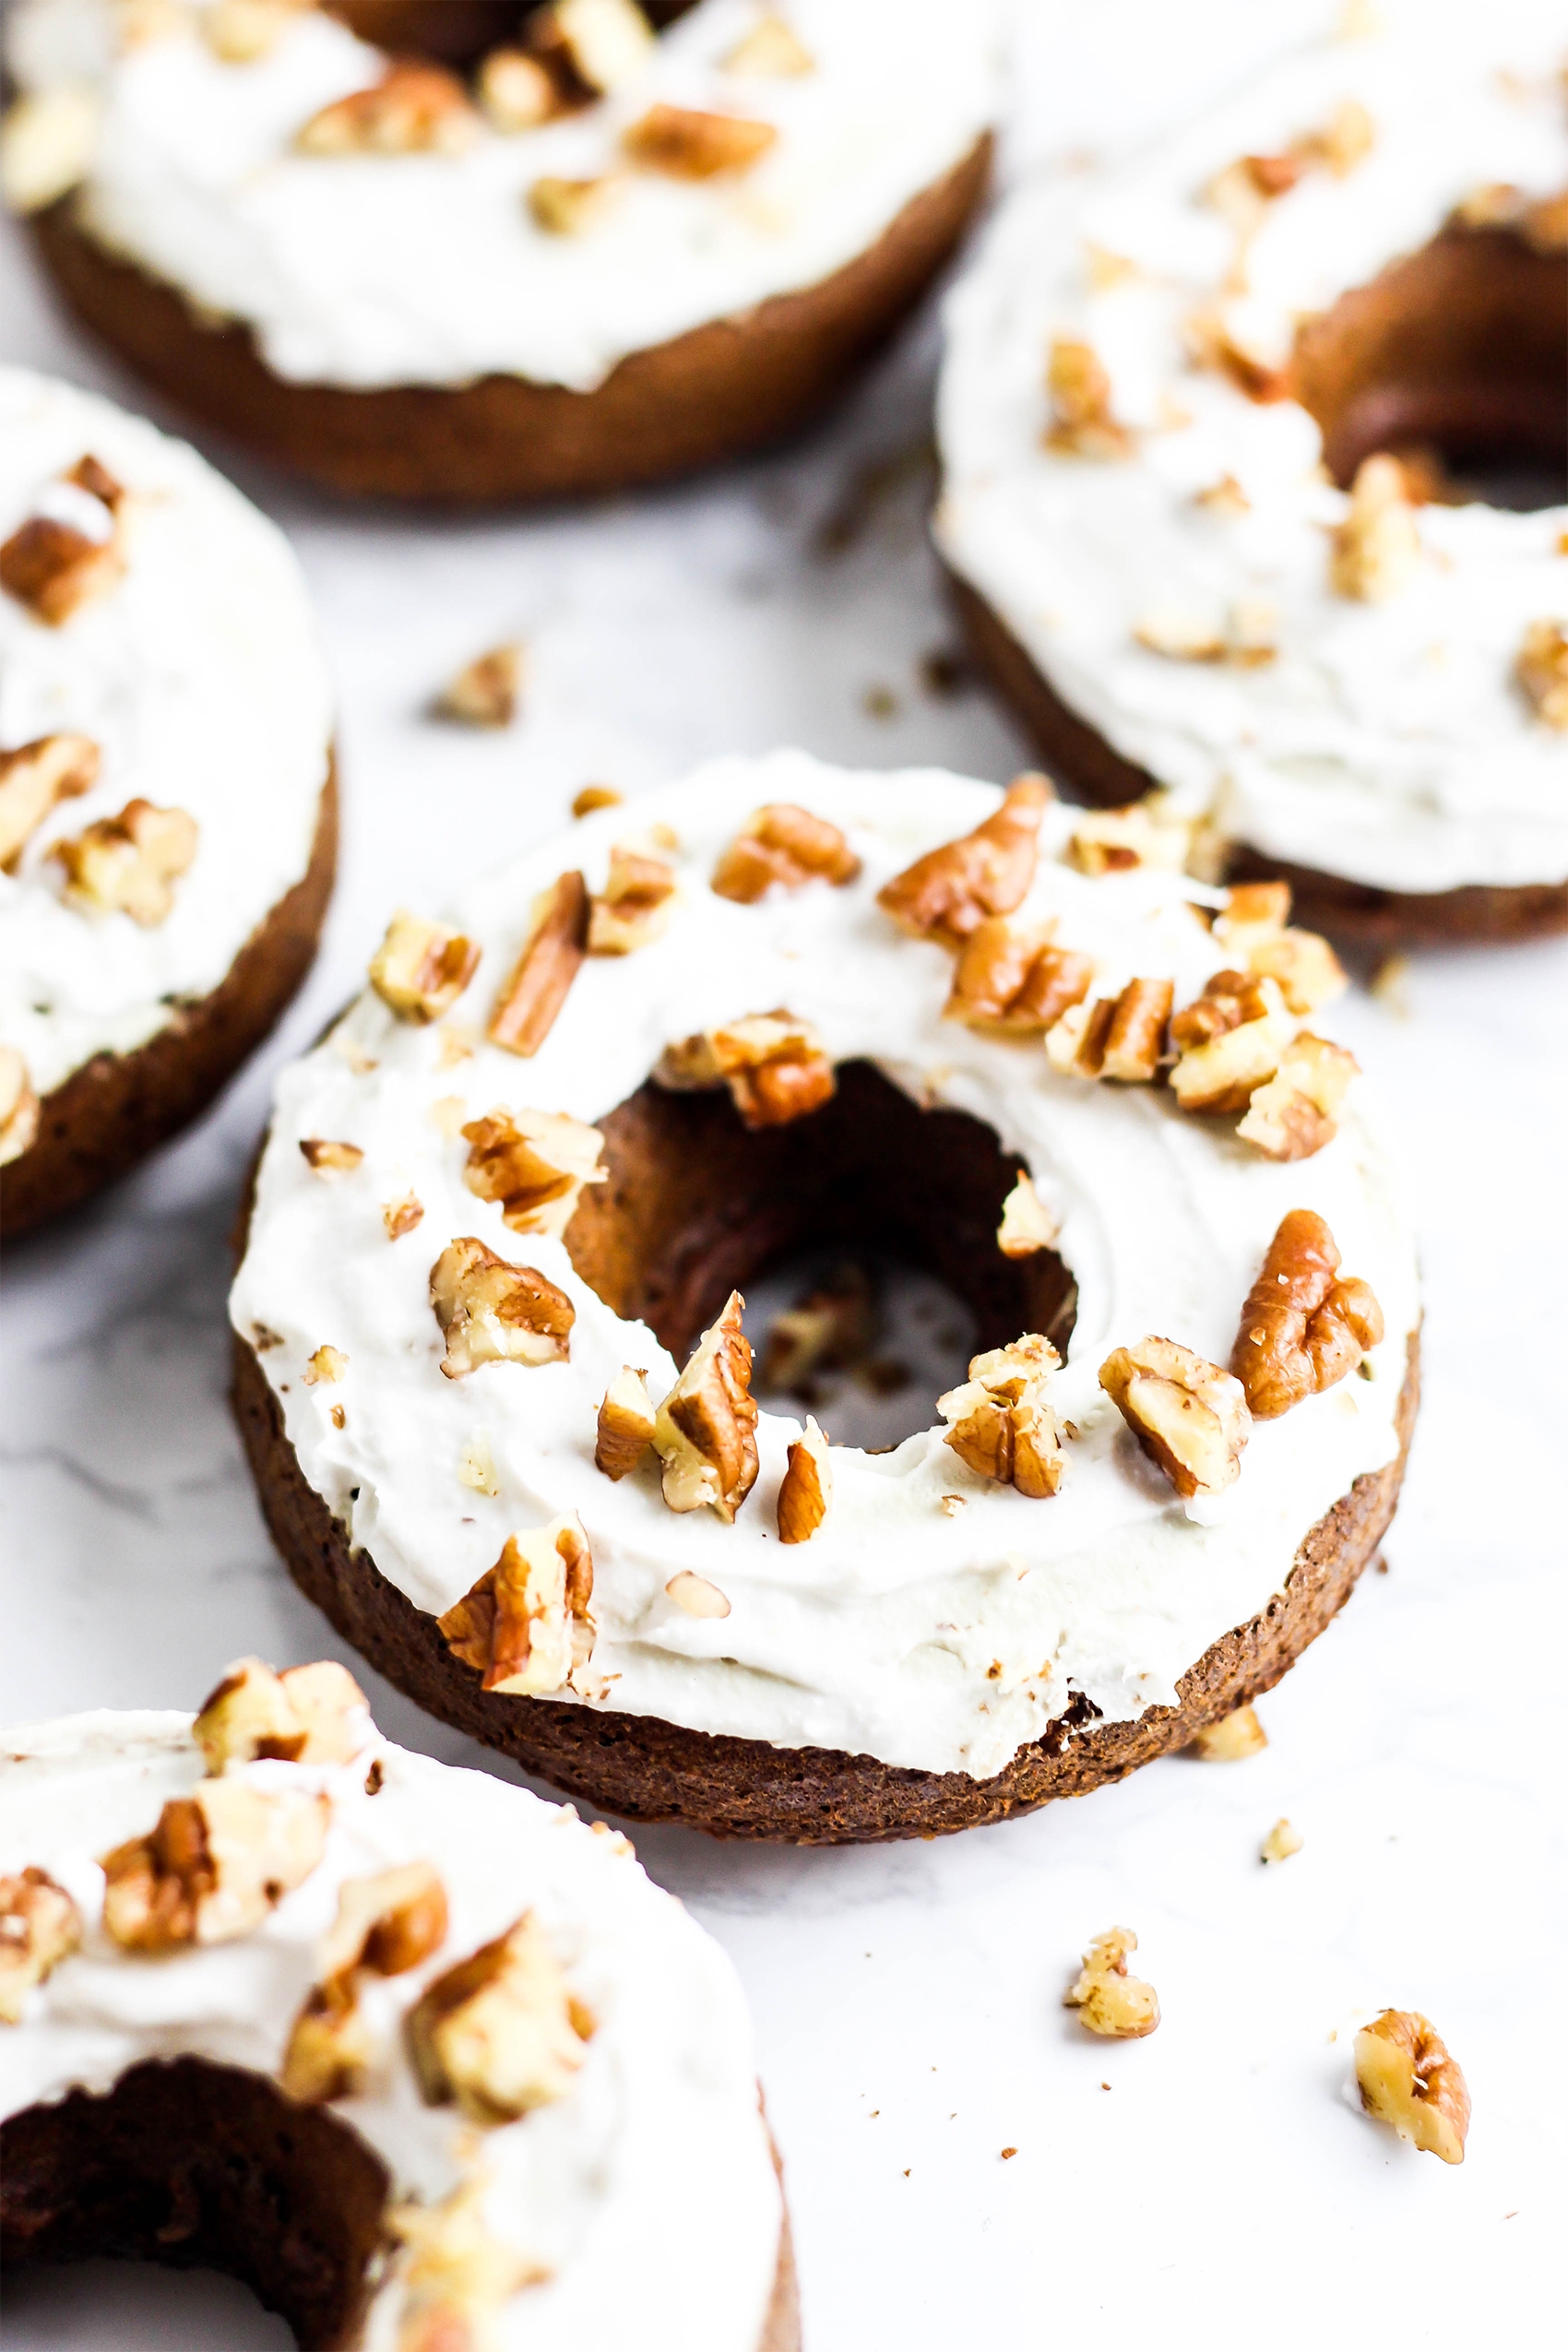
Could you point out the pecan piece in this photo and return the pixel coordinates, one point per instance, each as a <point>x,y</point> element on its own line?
<point>1117,1037</point>
<point>128,864</point>
<point>414,109</point>
<point>1297,1112</point>
<point>239,31</point>
<point>950,891</point>
<point>59,560</point>
<point>306,1715</point>
<point>420,970</point>
<point>1000,1420</point>
<point>773,1064</point>
<point>500,2033</point>
<point>696,1596</point>
<point>635,906</point>
<point>18,1107</point>
<point>48,140</point>
<point>1407,2078</point>
<point>527,1008</point>
<point>1228,1040</point>
<point>806,1489</point>
<point>1009,980</point>
<point>1252,930</point>
<point>40,1926</point>
<point>401,1215</point>
<point>1026,1224</point>
<point>1082,425</point>
<point>626,1424</point>
<point>32,780</point>
<point>1107,1999</point>
<point>771,51</point>
<point>494,1312</point>
<point>1302,1327</point>
<point>1543,670</point>
<point>786,846</point>
<point>704,1431</point>
<point>565,208</point>
<point>212,1867</point>
<point>515,91</point>
<point>1120,840</point>
<point>1188,1416</point>
<point>326,1366</point>
<point>590,47</point>
<point>1283,1840</point>
<point>685,144</point>
<point>327,1159</point>
<point>455,2276</point>
<point>535,1163</point>
<point>329,2052</point>
<point>484,692</point>
<point>528,1624</point>
<point>828,1329</point>
<point>388,1924</point>
<point>1233,1738</point>
<point>1377,548</point>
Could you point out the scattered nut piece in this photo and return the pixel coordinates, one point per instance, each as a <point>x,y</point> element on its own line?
<point>1219,341</point>
<point>685,144</point>
<point>828,1329</point>
<point>329,1158</point>
<point>1010,980</point>
<point>401,1215</point>
<point>1377,548</point>
<point>1225,496</point>
<point>500,2033</point>
<point>565,208</point>
<point>1543,670</point>
<point>1107,1999</point>
<point>527,1008</point>
<point>494,1312</point>
<point>535,1163</point>
<point>415,109</point>
<point>590,47</point>
<point>528,1624</point>
<point>388,1924</point>
<point>420,970</point>
<point>1233,1738</point>
<point>19,1108</point>
<point>128,864</point>
<point>950,891</point>
<point>696,1595</point>
<point>1230,1041</point>
<point>1281,1843</point>
<point>1026,1224</point>
<point>1082,425</point>
<point>635,906</point>
<point>213,1866</point>
<point>806,1487</point>
<point>1117,1037</point>
<point>704,1431</point>
<point>773,1064</point>
<point>455,2277</point>
<point>306,1715</point>
<point>69,550</point>
<point>1247,637</point>
<point>329,2052</point>
<point>326,1365</point>
<point>32,780</point>
<point>1297,1112</point>
<point>40,1926</point>
<point>626,1424</point>
<point>484,692</point>
<point>1188,1416</point>
<point>515,91</point>
<point>597,796</point>
<point>772,51</point>
<point>1302,1327</point>
<point>1001,1423</point>
<point>784,845</point>
<point>1252,928</point>
<point>476,1466</point>
<point>1118,840</point>
<point>47,140</point>
<point>240,31</point>
<point>1407,2079</point>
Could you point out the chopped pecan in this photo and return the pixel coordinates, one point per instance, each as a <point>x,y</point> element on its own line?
<point>950,891</point>
<point>696,1596</point>
<point>1082,425</point>
<point>1283,1840</point>
<point>1230,1041</point>
<point>388,1924</point>
<point>806,1487</point>
<point>528,1624</point>
<point>704,1431</point>
<point>535,1163</point>
<point>1118,840</point>
<point>415,109</point>
<point>1297,1112</point>
<point>1116,1036</point>
<point>494,1312</point>
<point>128,864</point>
<point>48,140</point>
<point>1233,1738</point>
<point>213,1866</point>
<point>331,2050</point>
<point>1253,928</point>
<point>1302,1327</point>
<point>401,1215</point>
<point>589,47</point>
<point>626,1424</point>
<point>565,208</point>
<point>1188,1416</point>
<point>635,906</point>
<point>784,845</point>
<point>456,2275</point>
<point>594,797</point>
<point>1009,980</point>
<point>527,1008</point>
<point>70,551</point>
<point>1407,2078</point>
<point>40,1926</point>
<point>515,91</point>
<point>484,692</point>
<point>500,2033</point>
<point>326,1365</point>
<point>32,780</point>
<point>1246,637</point>
<point>239,31</point>
<point>18,1107</point>
<point>1218,340</point>
<point>830,1326</point>
<point>773,1064</point>
<point>1001,1422</point>
<point>420,970</point>
<point>772,51</point>
<point>1026,1224</point>
<point>1377,548</point>
<point>1543,670</point>
<point>306,1715</point>
<point>687,145</point>
<point>1107,1999</point>
<point>328,1158</point>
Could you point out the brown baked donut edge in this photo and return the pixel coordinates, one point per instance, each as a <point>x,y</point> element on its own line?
<point>1087,769</point>
<point>108,1114</point>
<point>649,1770</point>
<point>724,388</point>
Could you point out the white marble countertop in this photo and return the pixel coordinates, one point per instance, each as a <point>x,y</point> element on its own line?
<point>1215,2179</point>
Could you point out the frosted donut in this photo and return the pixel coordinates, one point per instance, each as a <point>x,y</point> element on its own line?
<point>459,1350</point>
<point>620,254</point>
<point>426,2061</point>
<point>1149,368</point>
<point>167,806</point>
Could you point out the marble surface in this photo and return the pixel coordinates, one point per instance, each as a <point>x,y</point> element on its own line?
<point>1218,2177</point>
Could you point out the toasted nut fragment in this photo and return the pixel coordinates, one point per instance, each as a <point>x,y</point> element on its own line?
<point>626,1424</point>
<point>1218,342</point>
<point>420,970</point>
<point>414,110</point>
<point>69,552</point>
<point>831,1326</point>
<point>527,1008</point>
<point>1543,670</point>
<point>1117,840</point>
<point>590,47</point>
<point>1377,548</point>
<point>400,1216</point>
<point>1225,496</point>
<point>330,2051</point>
<point>1010,981</point>
<point>806,1489</point>
<point>455,2277</point>
<point>515,91</point>
<point>1252,929</point>
<point>685,144</point>
<point>1001,1423</point>
<point>1246,636</point>
<point>1234,1736</point>
<point>329,1158</point>
<point>696,1595</point>
<point>327,1364</point>
<point>484,692</point>
<point>571,208</point>
<point>635,906</point>
<point>18,1107</point>
<point>494,1312</point>
<point>773,1064</point>
<point>597,796</point>
<point>771,51</point>
<point>1107,1999</point>
<point>307,1715</point>
<point>32,778</point>
<point>213,1866</point>
<point>47,143</point>
<point>1026,1224</point>
<point>239,31</point>
<point>535,1163</point>
<point>500,2033</point>
<point>1296,1113</point>
<point>1187,1415</point>
<point>785,845</point>
<point>1081,423</point>
<point>128,864</point>
<point>1230,1040</point>
<point>528,1624</point>
<point>704,1431</point>
<point>1281,1843</point>
<point>1302,1328</point>
<point>950,891</point>
<point>40,1926</point>
<point>1117,1037</point>
<point>1407,2079</point>
<point>388,1924</point>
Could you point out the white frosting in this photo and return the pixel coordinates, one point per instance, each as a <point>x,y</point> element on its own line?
<point>649,2187</point>
<point>1389,743</point>
<point>428,268</point>
<point>899,1632</point>
<point>200,678</point>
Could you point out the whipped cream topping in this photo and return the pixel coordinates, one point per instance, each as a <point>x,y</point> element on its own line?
<point>1389,742</point>
<point>428,268</point>
<point>199,676</point>
<point>905,1630</point>
<point>648,2189</point>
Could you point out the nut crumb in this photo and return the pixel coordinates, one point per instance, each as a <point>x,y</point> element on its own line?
<point>687,144</point>
<point>327,1364</point>
<point>696,1595</point>
<point>1281,1843</point>
<point>1235,1736</point>
<point>1107,1999</point>
<point>401,1215</point>
<point>486,691</point>
<point>327,1159</point>
<point>596,796</point>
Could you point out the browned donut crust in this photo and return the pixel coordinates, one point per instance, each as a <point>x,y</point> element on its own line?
<point>118,1106</point>
<point>205,2167</point>
<point>731,386</point>
<point>649,1770</point>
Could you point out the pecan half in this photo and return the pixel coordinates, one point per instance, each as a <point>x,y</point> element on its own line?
<point>1543,670</point>
<point>1000,1420</point>
<point>1082,425</point>
<point>1230,1040</point>
<point>528,1624</point>
<point>128,864</point>
<point>1188,1416</point>
<point>420,970</point>
<point>1377,548</point>
<point>500,2033</point>
<point>1117,1037</point>
<point>1026,1224</point>
<point>1252,928</point>
<point>32,780</point>
<point>414,109</point>
<point>950,891</point>
<point>1302,1327</point>
<point>535,1163</point>
<point>401,1215</point>
<point>1009,980</point>
<point>704,1431</point>
<point>685,144</point>
<point>626,1424</point>
<point>55,563</point>
<point>494,1312</point>
<point>213,1866</point>
<point>806,1489</point>
<point>1297,1112</point>
<point>484,692</point>
<point>1407,2079</point>
<point>774,1065</point>
<point>1107,1999</point>
<point>307,1715</point>
<point>634,906</point>
<point>19,1107</point>
<point>784,846</point>
<point>40,1926</point>
<point>527,1008</point>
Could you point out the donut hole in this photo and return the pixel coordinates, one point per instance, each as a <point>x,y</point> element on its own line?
<point>894,1337</point>
<point>697,1205</point>
<point>201,2167</point>
<point>1458,351</point>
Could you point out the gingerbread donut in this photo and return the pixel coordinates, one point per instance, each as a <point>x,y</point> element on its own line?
<point>619,255</point>
<point>1194,416</point>
<point>168,819</point>
<point>425,2061</point>
<point>497,1397</point>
